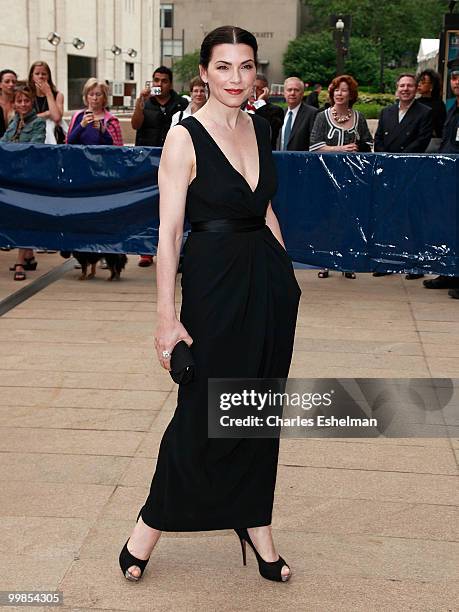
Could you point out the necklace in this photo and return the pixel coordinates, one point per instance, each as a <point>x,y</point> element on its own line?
<point>341,118</point>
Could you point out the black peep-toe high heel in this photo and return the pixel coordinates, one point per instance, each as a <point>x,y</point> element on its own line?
<point>127,560</point>
<point>271,570</point>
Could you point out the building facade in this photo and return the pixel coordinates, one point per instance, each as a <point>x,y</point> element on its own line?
<point>184,23</point>
<point>121,43</point>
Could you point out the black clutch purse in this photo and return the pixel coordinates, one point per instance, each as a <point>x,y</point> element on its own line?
<point>182,364</point>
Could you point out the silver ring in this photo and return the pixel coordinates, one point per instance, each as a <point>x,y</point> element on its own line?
<point>166,354</point>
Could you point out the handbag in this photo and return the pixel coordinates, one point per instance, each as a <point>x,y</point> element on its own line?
<point>182,364</point>
<point>55,132</point>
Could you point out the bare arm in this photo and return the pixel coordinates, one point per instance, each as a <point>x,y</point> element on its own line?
<point>273,224</point>
<point>175,170</point>
<point>55,105</point>
<point>138,116</point>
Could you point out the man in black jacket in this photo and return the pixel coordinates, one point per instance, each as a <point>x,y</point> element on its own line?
<point>404,127</point>
<point>449,144</point>
<point>299,118</point>
<point>313,98</point>
<point>153,113</point>
<point>152,118</point>
<point>273,114</point>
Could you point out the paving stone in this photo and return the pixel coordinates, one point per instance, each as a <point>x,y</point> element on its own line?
<point>53,499</point>
<point>362,484</point>
<point>35,440</point>
<point>314,514</point>
<point>58,468</point>
<point>372,457</point>
<point>61,397</point>
<point>76,418</point>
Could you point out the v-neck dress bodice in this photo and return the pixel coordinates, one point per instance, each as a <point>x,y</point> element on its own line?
<point>239,304</point>
<point>219,191</point>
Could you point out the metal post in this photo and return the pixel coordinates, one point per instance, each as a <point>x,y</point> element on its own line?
<point>382,87</point>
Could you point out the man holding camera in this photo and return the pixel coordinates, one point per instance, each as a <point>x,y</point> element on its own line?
<point>153,115</point>
<point>154,109</point>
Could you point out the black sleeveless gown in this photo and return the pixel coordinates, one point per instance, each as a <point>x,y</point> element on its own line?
<point>239,304</point>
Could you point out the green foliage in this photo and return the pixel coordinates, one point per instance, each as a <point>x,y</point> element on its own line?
<point>378,99</point>
<point>399,24</point>
<point>363,61</point>
<point>369,111</point>
<point>312,57</point>
<point>187,67</point>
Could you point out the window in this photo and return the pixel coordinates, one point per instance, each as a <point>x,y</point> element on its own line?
<point>129,71</point>
<point>166,14</point>
<point>172,48</point>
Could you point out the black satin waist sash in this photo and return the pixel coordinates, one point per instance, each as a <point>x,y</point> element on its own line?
<point>249,224</point>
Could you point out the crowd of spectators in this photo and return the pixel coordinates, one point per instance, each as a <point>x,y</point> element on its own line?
<point>32,111</point>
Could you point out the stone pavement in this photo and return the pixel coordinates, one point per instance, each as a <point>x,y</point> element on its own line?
<point>365,524</point>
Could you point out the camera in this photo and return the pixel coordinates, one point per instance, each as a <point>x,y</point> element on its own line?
<point>155,91</point>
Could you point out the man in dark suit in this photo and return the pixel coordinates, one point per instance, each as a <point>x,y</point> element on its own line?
<point>404,127</point>
<point>263,107</point>
<point>449,144</point>
<point>313,98</point>
<point>299,118</point>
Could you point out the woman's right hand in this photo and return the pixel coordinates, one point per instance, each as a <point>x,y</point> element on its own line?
<point>352,147</point>
<point>168,334</point>
<point>88,118</point>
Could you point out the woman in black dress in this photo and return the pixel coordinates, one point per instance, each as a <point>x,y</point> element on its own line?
<point>429,90</point>
<point>239,308</point>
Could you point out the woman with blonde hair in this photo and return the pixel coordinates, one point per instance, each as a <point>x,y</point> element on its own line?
<point>95,125</point>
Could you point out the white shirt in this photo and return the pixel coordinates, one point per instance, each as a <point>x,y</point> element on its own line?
<point>402,113</point>
<point>176,116</point>
<point>294,114</point>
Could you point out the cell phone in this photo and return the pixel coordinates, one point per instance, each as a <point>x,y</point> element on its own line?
<point>156,91</point>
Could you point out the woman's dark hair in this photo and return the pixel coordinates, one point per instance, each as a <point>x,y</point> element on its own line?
<point>226,35</point>
<point>6,71</point>
<point>48,70</point>
<point>435,79</point>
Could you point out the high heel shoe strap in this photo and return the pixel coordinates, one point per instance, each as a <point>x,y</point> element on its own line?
<point>127,560</point>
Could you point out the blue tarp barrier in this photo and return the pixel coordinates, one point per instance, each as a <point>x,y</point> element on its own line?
<point>79,198</point>
<point>362,212</point>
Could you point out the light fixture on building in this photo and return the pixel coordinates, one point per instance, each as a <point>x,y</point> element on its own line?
<point>53,38</point>
<point>78,43</point>
<point>116,50</point>
<point>132,53</point>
